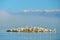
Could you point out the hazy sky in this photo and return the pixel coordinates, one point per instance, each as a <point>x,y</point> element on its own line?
<point>17,5</point>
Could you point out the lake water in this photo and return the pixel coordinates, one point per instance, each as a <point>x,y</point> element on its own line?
<point>28,36</point>
<point>43,21</point>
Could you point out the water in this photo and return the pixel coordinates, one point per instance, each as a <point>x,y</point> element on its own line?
<point>27,36</point>
<point>16,21</point>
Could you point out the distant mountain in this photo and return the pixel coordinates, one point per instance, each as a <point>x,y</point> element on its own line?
<point>46,14</point>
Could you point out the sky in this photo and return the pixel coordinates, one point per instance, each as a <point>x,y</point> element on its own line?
<point>18,5</point>
<point>7,7</point>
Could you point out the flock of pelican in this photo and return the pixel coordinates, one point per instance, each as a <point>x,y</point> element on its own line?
<point>30,29</point>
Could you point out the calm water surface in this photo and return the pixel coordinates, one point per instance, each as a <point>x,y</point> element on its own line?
<point>28,36</point>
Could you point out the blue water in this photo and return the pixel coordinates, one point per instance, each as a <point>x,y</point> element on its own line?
<point>28,36</point>
<point>50,21</point>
